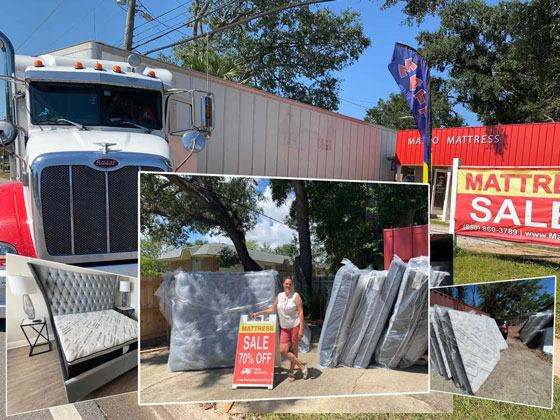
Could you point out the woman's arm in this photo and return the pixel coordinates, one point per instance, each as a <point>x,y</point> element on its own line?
<point>299,305</point>
<point>266,311</point>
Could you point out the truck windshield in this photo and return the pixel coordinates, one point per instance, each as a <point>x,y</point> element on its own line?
<point>94,104</point>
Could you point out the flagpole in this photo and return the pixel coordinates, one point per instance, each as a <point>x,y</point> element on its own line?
<point>429,130</point>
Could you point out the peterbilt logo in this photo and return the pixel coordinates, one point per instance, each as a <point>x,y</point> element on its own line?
<point>106,163</point>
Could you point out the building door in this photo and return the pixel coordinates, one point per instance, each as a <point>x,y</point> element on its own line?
<point>438,193</point>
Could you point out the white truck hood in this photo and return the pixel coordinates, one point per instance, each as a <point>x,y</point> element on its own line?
<point>74,140</point>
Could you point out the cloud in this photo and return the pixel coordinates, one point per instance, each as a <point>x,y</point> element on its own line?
<point>266,229</point>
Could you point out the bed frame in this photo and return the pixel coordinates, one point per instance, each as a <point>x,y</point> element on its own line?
<point>68,292</point>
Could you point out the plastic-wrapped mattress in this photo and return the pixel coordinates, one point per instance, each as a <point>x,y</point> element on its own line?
<point>408,313</point>
<point>205,308</point>
<point>336,313</point>
<point>534,325</point>
<point>375,308</point>
<point>418,345</point>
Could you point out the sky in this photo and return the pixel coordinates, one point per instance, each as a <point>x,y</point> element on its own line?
<point>56,24</point>
<point>266,230</point>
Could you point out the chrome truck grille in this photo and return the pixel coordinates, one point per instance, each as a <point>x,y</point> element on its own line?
<point>86,211</point>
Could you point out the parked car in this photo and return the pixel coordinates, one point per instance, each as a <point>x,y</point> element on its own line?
<point>504,327</point>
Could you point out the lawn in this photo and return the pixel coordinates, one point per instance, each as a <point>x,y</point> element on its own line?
<point>463,408</point>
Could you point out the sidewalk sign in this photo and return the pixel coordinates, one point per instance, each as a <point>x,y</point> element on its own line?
<point>257,344</point>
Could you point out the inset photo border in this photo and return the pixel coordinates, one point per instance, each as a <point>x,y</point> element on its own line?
<point>495,340</point>
<point>214,248</point>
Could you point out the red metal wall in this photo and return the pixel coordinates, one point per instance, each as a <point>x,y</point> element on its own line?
<point>518,145</point>
<point>407,243</point>
<point>438,298</point>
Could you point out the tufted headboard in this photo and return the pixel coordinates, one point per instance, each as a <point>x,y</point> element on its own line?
<point>68,292</point>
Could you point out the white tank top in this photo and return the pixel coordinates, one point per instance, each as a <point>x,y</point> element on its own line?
<point>287,310</point>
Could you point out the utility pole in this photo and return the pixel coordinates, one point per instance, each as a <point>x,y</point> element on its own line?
<point>129,30</point>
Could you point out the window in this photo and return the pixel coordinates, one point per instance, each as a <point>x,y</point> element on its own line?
<point>95,104</point>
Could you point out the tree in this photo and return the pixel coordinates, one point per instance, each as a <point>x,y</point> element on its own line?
<point>294,53</point>
<point>150,250</point>
<point>174,206</point>
<point>227,257</point>
<point>349,218</point>
<point>300,208</point>
<point>394,113</point>
<point>228,68</point>
<point>502,300</point>
<point>460,293</point>
<point>496,56</point>
<point>416,10</point>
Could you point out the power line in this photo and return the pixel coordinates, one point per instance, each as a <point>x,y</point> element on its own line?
<point>42,23</point>
<point>76,23</point>
<point>237,23</point>
<point>354,103</point>
<point>187,23</point>
<point>163,14</point>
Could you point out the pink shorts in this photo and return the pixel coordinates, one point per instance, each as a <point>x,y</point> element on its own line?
<point>289,335</point>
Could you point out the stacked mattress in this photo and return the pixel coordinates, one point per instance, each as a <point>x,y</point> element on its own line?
<point>406,333</point>
<point>466,348</point>
<point>204,310</point>
<point>367,311</point>
<point>533,333</point>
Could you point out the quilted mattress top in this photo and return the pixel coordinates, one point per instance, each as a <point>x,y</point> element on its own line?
<point>87,335</point>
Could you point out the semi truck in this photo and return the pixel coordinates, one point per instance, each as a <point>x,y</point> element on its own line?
<point>77,133</point>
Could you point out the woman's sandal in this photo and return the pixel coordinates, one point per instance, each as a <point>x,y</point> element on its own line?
<point>291,377</point>
<point>304,371</point>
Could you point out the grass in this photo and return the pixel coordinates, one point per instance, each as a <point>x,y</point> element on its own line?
<point>438,222</point>
<point>464,408</point>
<point>473,267</point>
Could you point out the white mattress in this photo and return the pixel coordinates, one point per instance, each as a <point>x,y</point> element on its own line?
<point>87,335</point>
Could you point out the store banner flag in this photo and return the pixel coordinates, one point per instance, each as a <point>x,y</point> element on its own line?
<point>413,77</point>
<point>256,347</point>
<point>520,205</point>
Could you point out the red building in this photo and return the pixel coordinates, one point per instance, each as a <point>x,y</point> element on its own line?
<point>501,145</point>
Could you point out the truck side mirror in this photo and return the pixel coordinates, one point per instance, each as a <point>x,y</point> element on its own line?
<point>207,113</point>
<point>8,133</point>
<point>194,141</point>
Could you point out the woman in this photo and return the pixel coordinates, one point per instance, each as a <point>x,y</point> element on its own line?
<point>289,306</point>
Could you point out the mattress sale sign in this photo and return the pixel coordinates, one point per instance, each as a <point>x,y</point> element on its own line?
<point>256,346</point>
<point>521,205</point>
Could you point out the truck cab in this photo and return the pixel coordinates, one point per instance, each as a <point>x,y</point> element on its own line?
<point>78,132</point>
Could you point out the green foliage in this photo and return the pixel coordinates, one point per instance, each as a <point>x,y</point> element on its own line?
<point>149,267</point>
<point>389,113</point>
<point>150,251</point>
<point>512,298</point>
<point>499,58</point>
<point>349,218</point>
<point>225,67</point>
<point>291,249</point>
<point>294,53</point>
<point>171,215</point>
<point>227,257</point>
<point>416,10</point>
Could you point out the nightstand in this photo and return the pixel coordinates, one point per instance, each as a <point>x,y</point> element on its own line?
<point>37,325</point>
<point>125,310</point>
